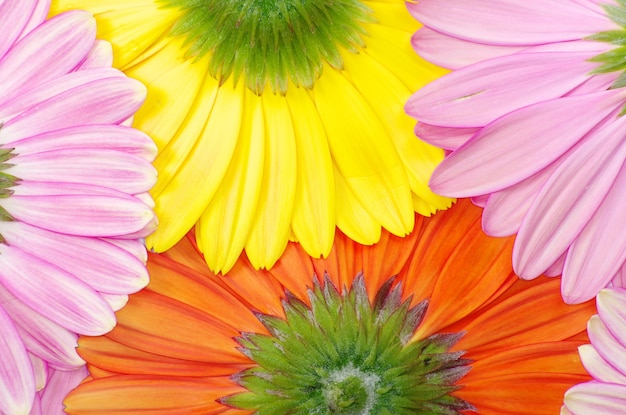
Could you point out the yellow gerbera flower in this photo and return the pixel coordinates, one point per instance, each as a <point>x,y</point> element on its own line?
<point>275,120</point>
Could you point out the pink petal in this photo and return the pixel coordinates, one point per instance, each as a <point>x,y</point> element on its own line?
<point>52,49</point>
<point>11,108</point>
<point>479,200</point>
<point>115,301</point>
<point>54,293</point>
<point>569,199</point>
<point>556,269</point>
<point>60,383</point>
<point>606,344</point>
<point>599,251</point>
<point>38,16</point>
<point>40,369</point>
<point>444,137</point>
<point>97,211</point>
<point>111,137</point>
<point>430,44</point>
<point>620,278</point>
<point>133,246</point>
<point>17,381</point>
<point>520,144</point>
<point>511,22</point>
<point>42,337</point>
<point>100,167</point>
<point>14,16</point>
<point>103,101</point>
<point>476,95</point>
<point>599,368</point>
<point>596,398</point>
<point>100,56</point>
<point>611,305</point>
<point>100,264</point>
<point>505,209</point>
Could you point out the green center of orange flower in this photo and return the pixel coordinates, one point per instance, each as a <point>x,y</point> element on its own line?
<point>345,355</point>
<point>271,41</point>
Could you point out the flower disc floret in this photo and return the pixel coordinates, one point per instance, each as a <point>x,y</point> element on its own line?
<point>271,41</point>
<point>343,355</point>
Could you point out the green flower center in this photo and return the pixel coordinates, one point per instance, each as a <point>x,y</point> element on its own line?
<point>271,41</point>
<point>350,391</point>
<point>614,59</point>
<point>345,355</point>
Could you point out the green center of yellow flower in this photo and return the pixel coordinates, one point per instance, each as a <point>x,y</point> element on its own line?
<point>345,355</point>
<point>271,41</point>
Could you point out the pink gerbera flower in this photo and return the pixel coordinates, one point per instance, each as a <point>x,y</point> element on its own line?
<point>73,201</point>
<point>603,359</point>
<point>532,119</point>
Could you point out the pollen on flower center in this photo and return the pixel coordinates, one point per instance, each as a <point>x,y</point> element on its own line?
<point>351,391</point>
<point>345,355</point>
<point>271,41</point>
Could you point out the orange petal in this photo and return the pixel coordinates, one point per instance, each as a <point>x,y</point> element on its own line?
<point>534,315</point>
<point>475,269</point>
<point>257,288</point>
<point>114,357</point>
<point>126,395</point>
<point>526,393</point>
<point>200,291</point>
<point>549,357</point>
<point>439,236</point>
<point>152,321</point>
<point>294,270</point>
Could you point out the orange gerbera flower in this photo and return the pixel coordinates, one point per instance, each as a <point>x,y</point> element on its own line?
<point>455,331</point>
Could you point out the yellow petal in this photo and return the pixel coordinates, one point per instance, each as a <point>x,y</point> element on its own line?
<point>392,48</point>
<point>352,218</point>
<point>272,224</point>
<point>130,26</point>
<point>393,13</point>
<point>164,113</point>
<point>387,100</point>
<point>363,153</point>
<point>224,226</point>
<point>180,204</point>
<point>314,210</point>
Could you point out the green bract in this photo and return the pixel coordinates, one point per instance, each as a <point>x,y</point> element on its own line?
<point>6,182</point>
<point>614,59</point>
<point>343,355</point>
<point>270,41</point>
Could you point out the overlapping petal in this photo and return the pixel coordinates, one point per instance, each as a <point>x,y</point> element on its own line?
<point>74,185</point>
<point>544,158</point>
<point>603,359</point>
<point>278,165</point>
<point>162,344</point>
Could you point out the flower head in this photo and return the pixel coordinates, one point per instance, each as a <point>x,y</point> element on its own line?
<point>533,119</point>
<point>275,120</point>
<point>603,359</point>
<point>73,196</point>
<point>454,330</point>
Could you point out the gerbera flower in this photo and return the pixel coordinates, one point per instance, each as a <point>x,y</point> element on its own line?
<point>73,196</point>
<point>533,118</point>
<point>275,120</point>
<point>454,331</point>
<point>603,359</point>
